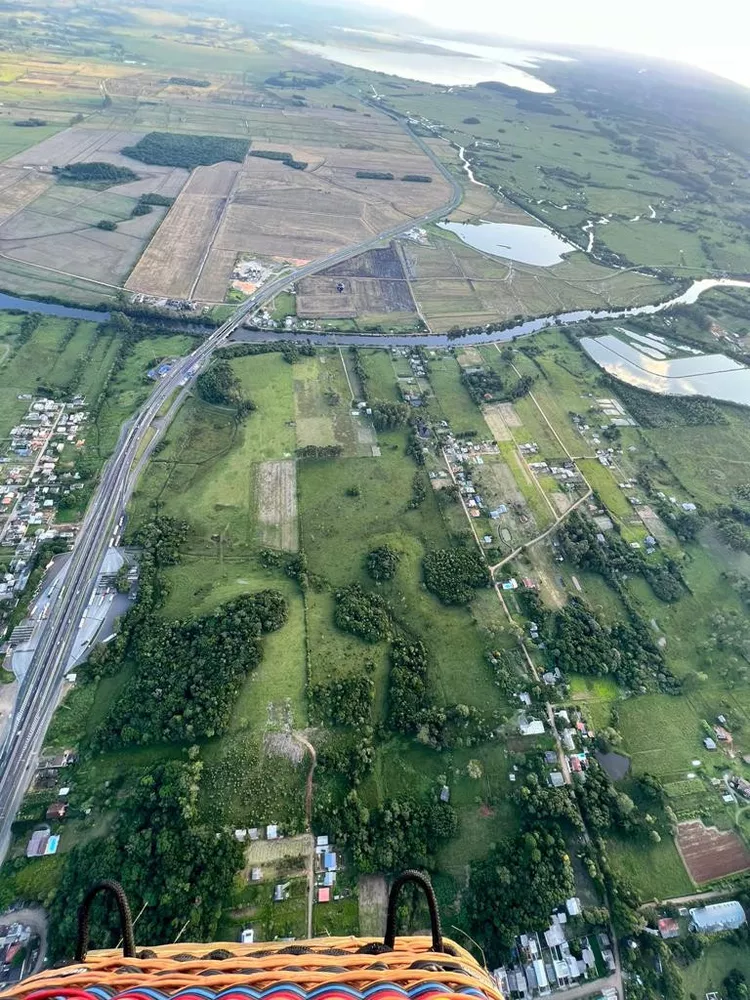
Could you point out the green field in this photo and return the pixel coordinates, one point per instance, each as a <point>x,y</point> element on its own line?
<point>656,870</point>
<point>707,973</point>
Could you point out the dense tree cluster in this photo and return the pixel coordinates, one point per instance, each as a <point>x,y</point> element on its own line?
<point>401,833</point>
<point>188,81</point>
<point>156,199</point>
<point>540,803</point>
<point>300,79</point>
<point>516,887</point>
<point>614,557</point>
<point>604,807</point>
<point>95,173</point>
<point>418,491</point>
<point>363,614</point>
<point>381,563</point>
<point>30,122</point>
<point>669,411</point>
<point>345,701</point>
<point>486,385</point>
<point>359,369</point>
<point>349,754</point>
<point>189,673</point>
<point>735,985</point>
<point>220,386</point>
<point>578,642</point>
<point>387,416</point>
<point>732,523</point>
<point>686,526</point>
<point>417,178</point>
<point>408,696</point>
<point>374,175</point>
<point>162,539</point>
<point>162,854</point>
<point>274,154</point>
<point>454,574</point>
<point>174,149</point>
<point>317,451</point>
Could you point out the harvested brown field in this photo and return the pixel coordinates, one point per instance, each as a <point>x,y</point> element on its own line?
<point>18,188</point>
<point>278,212</point>
<point>277,504</point>
<point>710,853</point>
<point>343,298</point>
<point>173,262</point>
<point>371,284</point>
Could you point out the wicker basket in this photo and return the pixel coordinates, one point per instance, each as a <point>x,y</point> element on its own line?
<point>342,968</point>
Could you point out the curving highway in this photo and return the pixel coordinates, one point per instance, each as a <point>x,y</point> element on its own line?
<point>42,686</point>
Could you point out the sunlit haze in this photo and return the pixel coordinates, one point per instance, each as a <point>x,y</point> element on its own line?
<point>714,38</point>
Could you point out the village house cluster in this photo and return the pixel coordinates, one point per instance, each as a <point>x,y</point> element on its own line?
<point>558,959</point>
<point>37,469</point>
<point>15,945</point>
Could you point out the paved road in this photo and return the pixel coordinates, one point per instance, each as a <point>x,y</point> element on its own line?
<point>43,684</point>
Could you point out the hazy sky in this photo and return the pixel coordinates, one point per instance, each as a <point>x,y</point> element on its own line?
<point>714,36</point>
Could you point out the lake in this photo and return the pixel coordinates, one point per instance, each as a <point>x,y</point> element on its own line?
<point>713,375</point>
<point>525,244</point>
<point>438,61</point>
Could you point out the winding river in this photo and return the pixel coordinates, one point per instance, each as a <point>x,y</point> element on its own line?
<point>688,297</point>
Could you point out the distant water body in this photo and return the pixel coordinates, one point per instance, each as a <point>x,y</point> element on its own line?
<point>450,64</point>
<point>525,244</point>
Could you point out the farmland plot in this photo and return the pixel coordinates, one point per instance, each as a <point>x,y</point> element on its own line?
<point>277,504</point>
<point>173,262</point>
<point>710,853</point>
<point>373,283</point>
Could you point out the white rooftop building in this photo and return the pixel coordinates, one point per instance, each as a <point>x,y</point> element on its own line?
<point>717,917</point>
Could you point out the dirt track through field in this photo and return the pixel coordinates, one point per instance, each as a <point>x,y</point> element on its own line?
<point>277,504</point>
<point>710,853</point>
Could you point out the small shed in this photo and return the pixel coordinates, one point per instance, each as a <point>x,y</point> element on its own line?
<point>272,832</point>
<point>324,894</point>
<point>573,906</point>
<point>709,744</point>
<point>329,861</point>
<point>247,936</point>
<point>445,794</point>
<point>321,841</point>
<point>256,875</point>
<point>280,893</point>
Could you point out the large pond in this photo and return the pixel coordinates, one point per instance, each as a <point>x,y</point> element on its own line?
<point>51,309</point>
<point>432,60</point>
<point>712,375</point>
<point>525,244</point>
